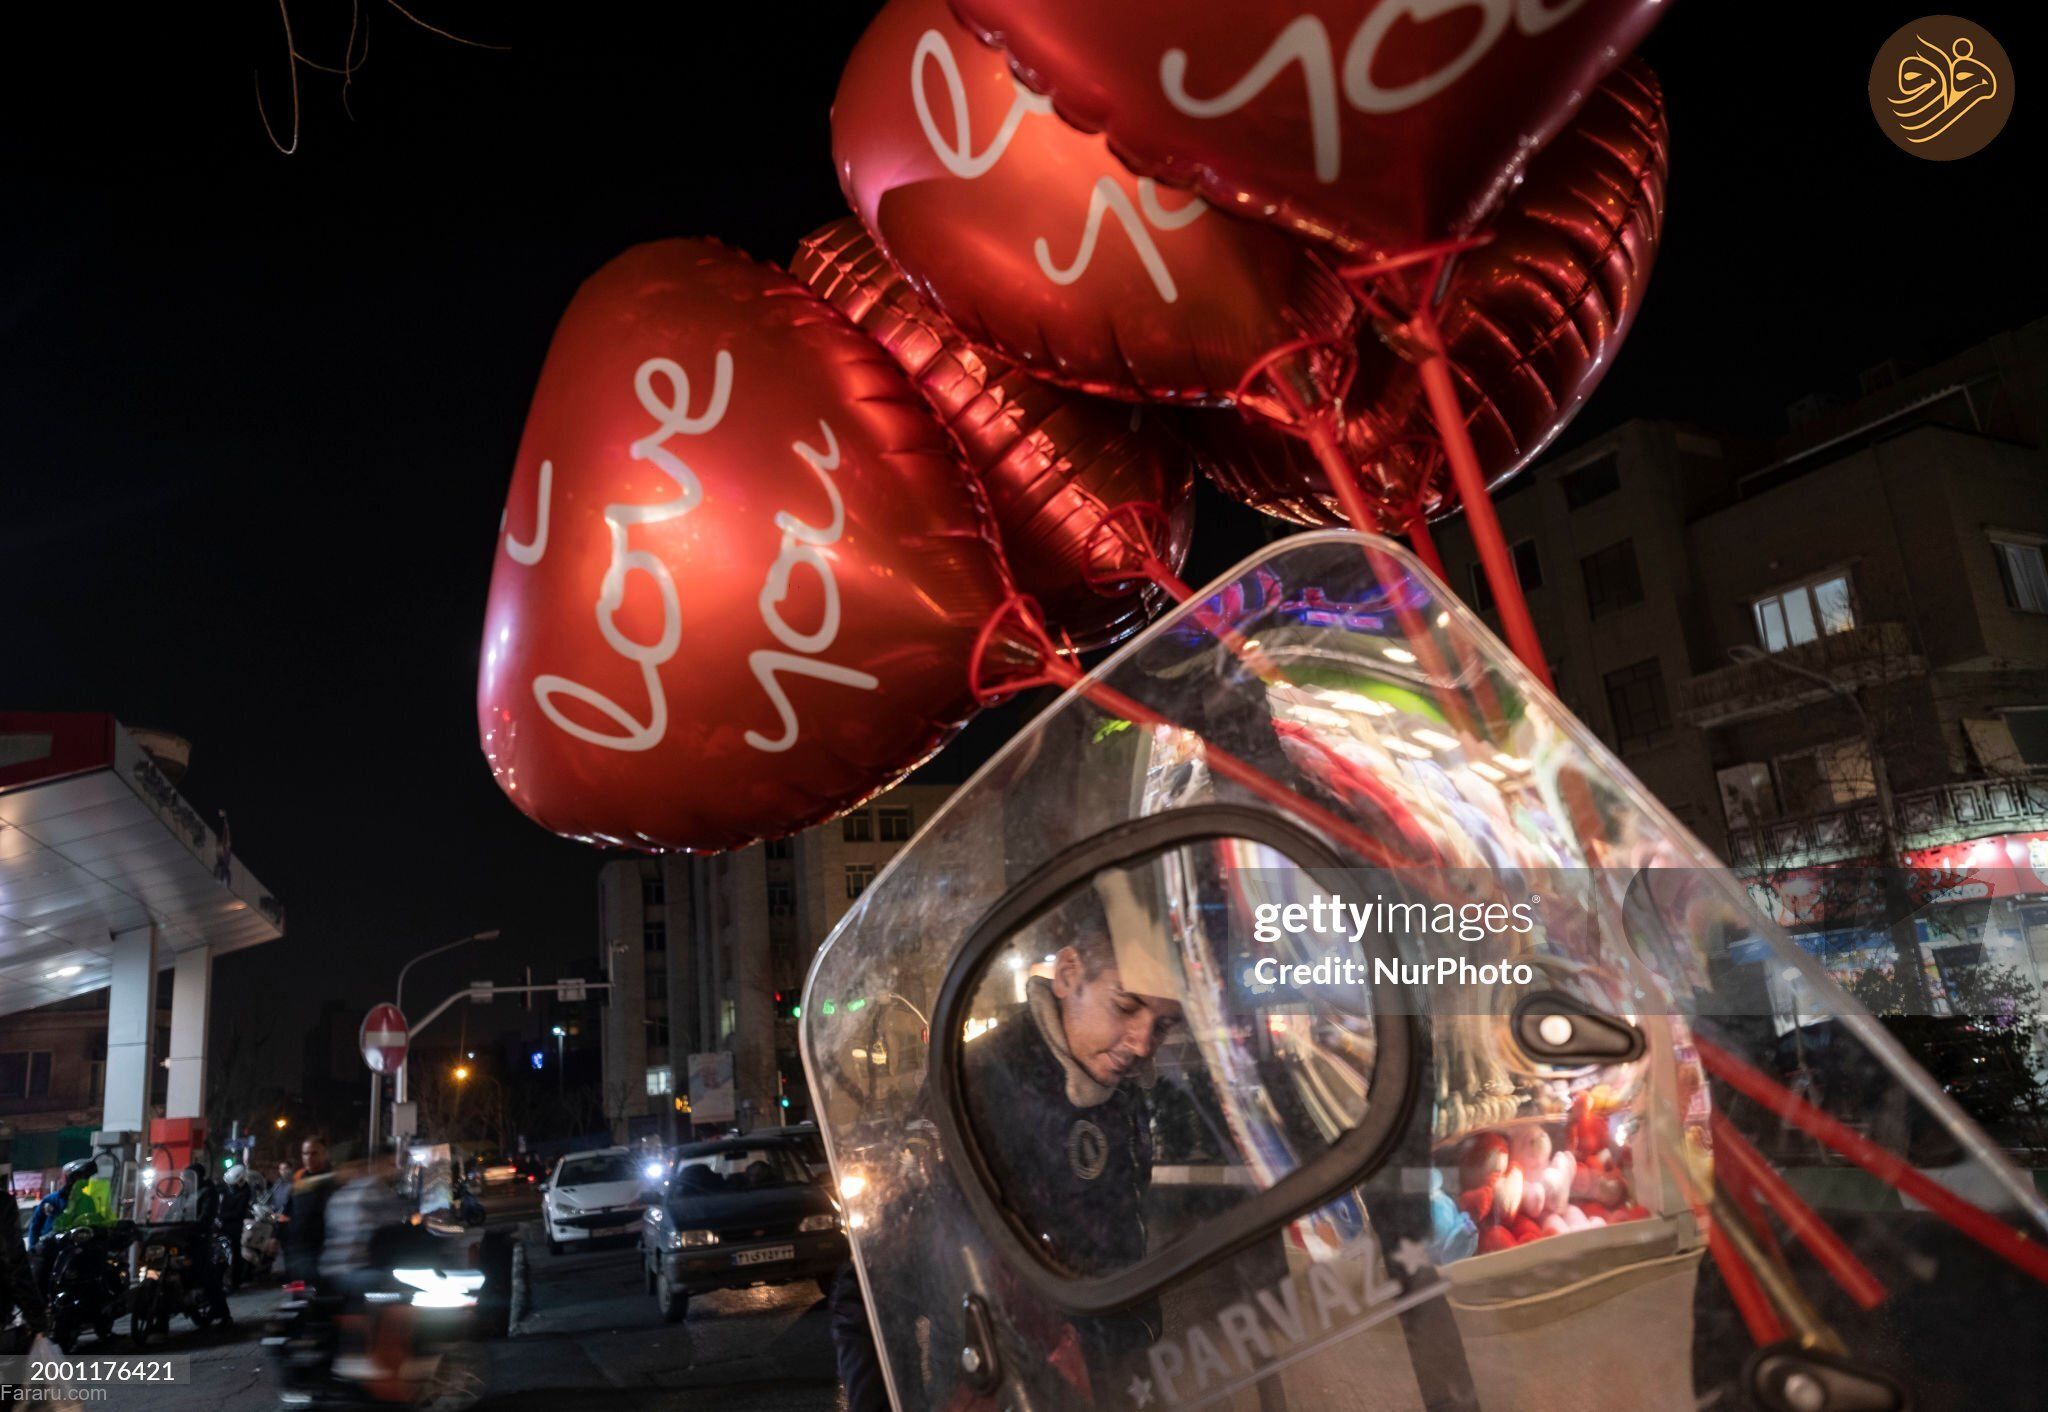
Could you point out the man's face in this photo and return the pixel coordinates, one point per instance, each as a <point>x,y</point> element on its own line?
<point>313,1153</point>
<point>1110,1031</point>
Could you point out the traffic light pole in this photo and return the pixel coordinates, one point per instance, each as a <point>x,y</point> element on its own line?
<point>470,992</point>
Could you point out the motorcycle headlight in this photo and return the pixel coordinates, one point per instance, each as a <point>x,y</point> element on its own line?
<point>441,1289</point>
<point>825,1222</point>
<point>693,1238</point>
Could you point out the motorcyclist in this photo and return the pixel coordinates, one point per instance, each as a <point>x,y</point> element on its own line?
<point>237,1196</point>
<point>204,1213</point>
<point>1057,1098</point>
<point>360,1220</point>
<point>70,1204</point>
<point>304,1213</point>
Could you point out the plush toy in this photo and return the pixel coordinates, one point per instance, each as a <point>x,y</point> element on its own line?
<point>1525,1230</point>
<point>1482,1157</point>
<point>1495,1238</point>
<point>1452,1235</point>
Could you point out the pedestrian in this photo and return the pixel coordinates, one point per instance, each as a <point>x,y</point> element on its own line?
<point>237,1197</point>
<point>203,1211</point>
<point>304,1213</point>
<point>280,1187</point>
<point>18,1288</point>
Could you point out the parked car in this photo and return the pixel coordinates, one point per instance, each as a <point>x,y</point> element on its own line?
<point>591,1195</point>
<point>738,1211</point>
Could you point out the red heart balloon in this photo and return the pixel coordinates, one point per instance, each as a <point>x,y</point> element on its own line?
<point>1057,466</point>
<point>1034,241</point>
<point>1378,125</point>
<point>741,573</point>
<point>1532,322</point>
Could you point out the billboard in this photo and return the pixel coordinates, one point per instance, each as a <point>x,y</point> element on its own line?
<point>711,1091</point>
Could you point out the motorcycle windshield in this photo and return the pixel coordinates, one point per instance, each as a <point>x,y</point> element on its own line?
<point>1309,1010</point>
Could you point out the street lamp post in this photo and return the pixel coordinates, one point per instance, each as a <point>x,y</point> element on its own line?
<point>1905,942</point>
<point>398,998</point>
<point>560,1035</point>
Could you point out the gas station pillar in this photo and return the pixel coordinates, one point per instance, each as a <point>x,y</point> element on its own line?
<point>191,990</point>
<point>131,1031</point>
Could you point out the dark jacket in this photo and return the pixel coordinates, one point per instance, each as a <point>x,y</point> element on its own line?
<point>1075,1176</point>
<point>17,1281</point>
<point>305,1231</point>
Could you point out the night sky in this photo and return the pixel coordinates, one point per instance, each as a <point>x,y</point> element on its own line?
<point>259,411</point>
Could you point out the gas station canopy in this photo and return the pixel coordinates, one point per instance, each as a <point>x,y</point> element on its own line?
<point>95,841</point>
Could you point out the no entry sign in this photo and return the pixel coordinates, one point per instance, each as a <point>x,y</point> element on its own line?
<point>383,1039</point>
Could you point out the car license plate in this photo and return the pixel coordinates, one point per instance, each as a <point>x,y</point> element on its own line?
<point>767,1254</point>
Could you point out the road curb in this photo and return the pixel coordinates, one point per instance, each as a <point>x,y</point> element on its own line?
<point>522,1289</point>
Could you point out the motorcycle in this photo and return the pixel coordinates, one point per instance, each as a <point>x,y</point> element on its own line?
<point>169,1282</point>
<point>425,1300</point>
<point>259,1241</point>
<point>88,1282</point>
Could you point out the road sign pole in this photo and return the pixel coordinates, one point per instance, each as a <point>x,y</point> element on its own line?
<point>376,1102</point>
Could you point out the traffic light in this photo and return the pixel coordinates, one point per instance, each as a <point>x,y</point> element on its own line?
<point>782,1091</point>
<point>786,1007</point>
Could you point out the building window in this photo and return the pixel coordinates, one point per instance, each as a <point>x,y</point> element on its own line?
<point>1528,572</point>
<point>2024,572</point>
<point>654,937</point>
<point>651,894</point>
<point>859,826</point>
<point>1826,777</point>
<point>2028,726</point>
<point>895,825</point>
<point>661,1079</point>
<point>858,876</point>
<point>1613,579</point>
<point>1635,699</point>
<point>657,1033</point>
<point>781,899</point>
<point>657,985</point>
<point>778,849</point>
<point>25,1075</point>
<point>96,1081</point>
<point>1595,480</point>
<point>1804,611</point>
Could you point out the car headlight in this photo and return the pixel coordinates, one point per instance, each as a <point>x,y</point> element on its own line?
<point>825,1222</point>
<point>692,1238</point>
<point>852,1185</point>
<point>441,1289</point>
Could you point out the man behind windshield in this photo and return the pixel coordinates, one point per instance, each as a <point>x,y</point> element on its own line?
<point>1058,1093</point>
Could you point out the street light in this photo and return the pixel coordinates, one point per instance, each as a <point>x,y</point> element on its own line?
<point>281,1124</point>
<point>462,1073</point>
<point>398,994</point>
<point>560,1035</point>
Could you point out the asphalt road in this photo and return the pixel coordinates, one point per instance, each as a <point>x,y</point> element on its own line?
<point>590,1338</point>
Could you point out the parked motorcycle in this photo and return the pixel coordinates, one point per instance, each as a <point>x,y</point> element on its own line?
<point>170,1282</point>
<point>88,1282</point>
<point>441,1291</point>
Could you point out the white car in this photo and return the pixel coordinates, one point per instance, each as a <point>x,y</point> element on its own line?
<point>591,1195</point>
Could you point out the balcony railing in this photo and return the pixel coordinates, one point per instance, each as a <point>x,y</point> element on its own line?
<point>1927,818</point>
<point>1862,656</point>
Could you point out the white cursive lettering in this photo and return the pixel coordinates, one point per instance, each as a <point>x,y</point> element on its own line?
<point>1306,42</point>
<point>958,156</point>
<point>1106,197</point>
<point>673,418</point>
<point>530,553</point>
<point>800,545</point>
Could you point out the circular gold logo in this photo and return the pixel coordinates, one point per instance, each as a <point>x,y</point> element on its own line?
<point>1941,88</point>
